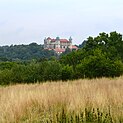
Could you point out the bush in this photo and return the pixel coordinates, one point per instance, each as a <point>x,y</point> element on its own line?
<point>5,77</point>
<point>52,71</point>
<point>67,73</point>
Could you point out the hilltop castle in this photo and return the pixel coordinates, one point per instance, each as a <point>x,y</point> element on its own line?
<point>58,45</point>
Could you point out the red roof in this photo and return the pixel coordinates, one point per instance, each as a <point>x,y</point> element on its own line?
<point>48,38</point>
<point>64,41</point>
<point>74,47</point>
<point>61,40</point>
<point>59,50</point>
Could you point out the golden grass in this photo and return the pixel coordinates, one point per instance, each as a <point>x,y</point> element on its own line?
<point>34,102</point>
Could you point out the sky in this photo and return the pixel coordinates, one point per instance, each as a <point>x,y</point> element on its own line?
<point>27,21</point>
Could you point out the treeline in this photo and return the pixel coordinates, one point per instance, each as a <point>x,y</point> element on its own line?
<point>18,72</point>
<point>101,56</point>
<point>24,52</point>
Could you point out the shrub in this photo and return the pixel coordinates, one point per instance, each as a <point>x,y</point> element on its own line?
<point>67,72</point>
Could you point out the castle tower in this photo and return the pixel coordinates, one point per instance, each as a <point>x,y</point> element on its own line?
<point>45,43</point>
<point>70,40</point>
<point>57,42</point>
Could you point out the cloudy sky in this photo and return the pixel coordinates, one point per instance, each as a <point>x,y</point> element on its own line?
<point>26,21</point>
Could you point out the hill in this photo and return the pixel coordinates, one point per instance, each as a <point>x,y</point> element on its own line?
<point>24,52</point>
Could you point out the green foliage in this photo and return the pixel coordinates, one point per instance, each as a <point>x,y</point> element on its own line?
<point>82,45</point>
<point>111,43</point>
<point>6,65</point>
<point>32,72</point>
<point>52,71</point>
<point>100,56</point>
<point>67,72</point>
<point>73,58</point>
<point>19,73</point>
<point>24,52</point>
<point>99,65</point>
<point>5,77</point>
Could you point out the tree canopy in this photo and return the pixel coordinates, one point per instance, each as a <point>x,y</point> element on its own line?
<point>24,52</point>
<point>100,56</point>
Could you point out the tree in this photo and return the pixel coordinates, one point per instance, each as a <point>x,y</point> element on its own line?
<point>5,77</point>
<point>99,65</point>
<point>101,56</point>
<point>112,44</point>
<point>52,71</point>
<point>24,52</point>
<point>67,72</point>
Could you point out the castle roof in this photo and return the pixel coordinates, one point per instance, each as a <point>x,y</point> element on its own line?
<point>61,40</point>
<point>64,40</point>
<point>60,50</point>
<point>48,38</point>
<point>74,47</point>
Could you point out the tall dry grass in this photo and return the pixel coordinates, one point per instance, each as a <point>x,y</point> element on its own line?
<point>37,102</point>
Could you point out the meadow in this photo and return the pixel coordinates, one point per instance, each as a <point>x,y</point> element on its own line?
<point>78,101</point>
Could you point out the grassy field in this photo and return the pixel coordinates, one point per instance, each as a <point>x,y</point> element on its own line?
<point>80,101</point>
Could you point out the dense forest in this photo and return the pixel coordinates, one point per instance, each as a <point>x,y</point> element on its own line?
<point>100,56</point>
<point>24,52</point>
